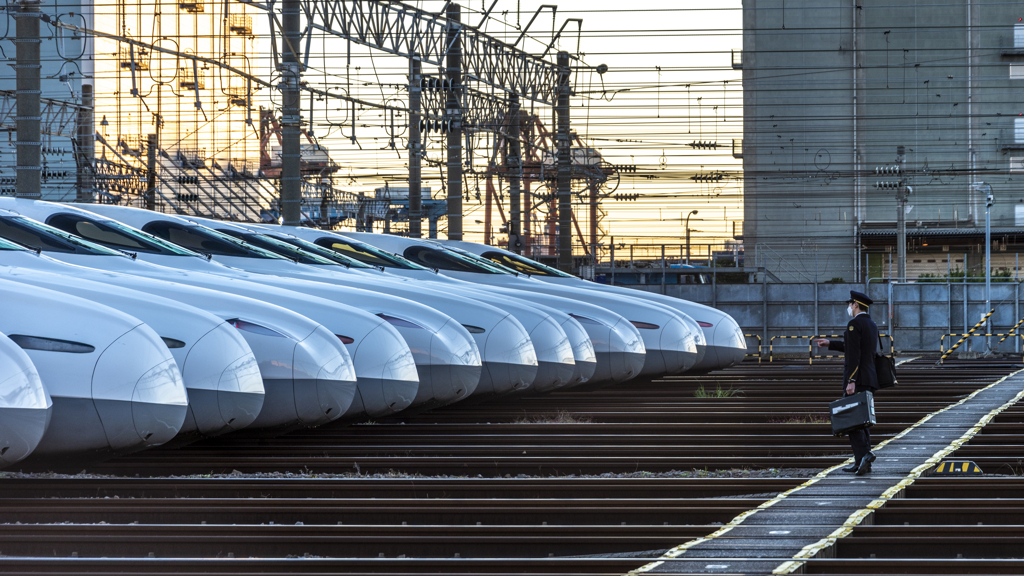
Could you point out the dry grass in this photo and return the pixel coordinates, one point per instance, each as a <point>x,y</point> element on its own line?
<point>718,392</point>
<point>561,417</point>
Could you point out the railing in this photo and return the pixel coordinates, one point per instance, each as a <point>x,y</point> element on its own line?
<point>760,351</point>
<point>771,344</point>
<point>964,337</point>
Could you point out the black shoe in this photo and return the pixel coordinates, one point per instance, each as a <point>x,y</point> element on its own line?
<point>865,464</point>
<point>852,467</point>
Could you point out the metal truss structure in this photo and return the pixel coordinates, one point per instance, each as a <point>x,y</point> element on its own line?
<point>58,117</point>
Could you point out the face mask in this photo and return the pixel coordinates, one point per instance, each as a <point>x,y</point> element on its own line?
<point>849,310</point>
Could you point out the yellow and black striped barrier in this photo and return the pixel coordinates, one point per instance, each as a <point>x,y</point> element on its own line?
<point>759,347</point>
<point>942,341</point>
<point>771,344</point>
<point>810,346</point>
<point>964,337</point>
<point>956,468</point>
<point>1012,332</point>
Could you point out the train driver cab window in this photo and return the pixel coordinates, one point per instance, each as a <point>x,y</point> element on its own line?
<point>444,260</point>
<point>367,254</point>
<point>39,236</point>
<point>202,239</point>
<point>524,265</point>
<point>115,235</point>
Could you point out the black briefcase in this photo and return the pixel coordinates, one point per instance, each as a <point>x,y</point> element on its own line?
<point>852,413</point>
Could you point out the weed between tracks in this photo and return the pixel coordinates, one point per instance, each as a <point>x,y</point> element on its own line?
<point>562,417</point>
<point>718,392</point>
<point>801,419</point>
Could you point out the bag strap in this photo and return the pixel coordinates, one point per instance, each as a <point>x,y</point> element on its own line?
<point>880,345</point>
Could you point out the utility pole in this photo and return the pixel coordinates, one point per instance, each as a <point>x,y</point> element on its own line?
<point>515,175</point>
<point>152,142</point>
<point>564,178</point>
<point>987,189</point>
<point>901,217</point>
<point>453,120</point>
<point>415,148</point>
<point>29,145</point>
<point>902,191</point>
<point>291,114</point>
<point>86,146</point>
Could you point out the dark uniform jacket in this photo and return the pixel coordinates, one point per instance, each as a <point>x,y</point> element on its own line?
<point>860,342</point>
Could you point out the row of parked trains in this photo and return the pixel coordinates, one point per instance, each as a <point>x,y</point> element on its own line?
<point>122,329</point>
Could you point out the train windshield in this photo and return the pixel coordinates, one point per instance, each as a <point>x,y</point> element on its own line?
<point>114,234</point>
<point>280,248</point>
<point>524,265</point>
<point>307,246</point>
<point>367,254</point>
<point>39,236</point>
<point>8,245</point>
<point>203,239</point>
<point>442,259</point>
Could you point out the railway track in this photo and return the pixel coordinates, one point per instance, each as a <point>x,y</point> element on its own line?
<point>532,485</point>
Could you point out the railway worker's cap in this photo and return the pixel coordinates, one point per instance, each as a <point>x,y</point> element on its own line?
<point>860,298</point>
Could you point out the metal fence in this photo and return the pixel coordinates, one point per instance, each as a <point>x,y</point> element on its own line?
<point>916,314</point>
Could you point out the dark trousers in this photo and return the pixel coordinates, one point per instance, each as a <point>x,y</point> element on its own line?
<point>860,440</point>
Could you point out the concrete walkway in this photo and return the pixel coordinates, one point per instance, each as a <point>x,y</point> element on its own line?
<point>806,521</point>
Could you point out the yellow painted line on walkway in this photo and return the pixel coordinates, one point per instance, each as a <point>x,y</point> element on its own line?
<point>858,516</point>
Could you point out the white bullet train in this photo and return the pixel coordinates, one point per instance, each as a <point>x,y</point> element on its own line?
<point>725,346</point>
<point>547,339</point>
<point>555,361</point>
<point>114,384</point>
<point>277,333</point>
<point>670,342</point>
<point>670,336</point>
<point>449,351</point>
<point>220,372</point>
<point>25,406</point>
<point>618,346</point>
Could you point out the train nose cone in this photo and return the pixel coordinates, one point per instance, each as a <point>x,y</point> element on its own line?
<point>225,390</point>
<point>324,378</point>
<point>386,377</point>
<point>454,369</point>
<point>240,393</point>
<point>555,359</point>
<point>136,411</point>
<point>159,404</point>
<point>726,345</point>
<point>675,349</point>
<point>25,407</point>
<point>624,354</point>
<point>509,359</point>
<point>583,353</point>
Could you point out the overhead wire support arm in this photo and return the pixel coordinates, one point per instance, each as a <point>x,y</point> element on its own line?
<point>403,30</point>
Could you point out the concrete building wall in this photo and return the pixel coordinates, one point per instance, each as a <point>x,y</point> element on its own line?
<point>830,91</point>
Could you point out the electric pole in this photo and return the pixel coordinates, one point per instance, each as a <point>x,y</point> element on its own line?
<point>453,120</point>
<point>28,171</point>
<point>564,162</point>
<point>902,191</point>
<point>415,147</point>
<point>515,175</point>
<point>152,143</point>
<point>291,114</point>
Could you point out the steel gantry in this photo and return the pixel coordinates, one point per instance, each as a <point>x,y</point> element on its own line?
<point>478,73</point>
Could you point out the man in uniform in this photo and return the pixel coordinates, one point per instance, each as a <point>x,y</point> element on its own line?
<point>860,342</point>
